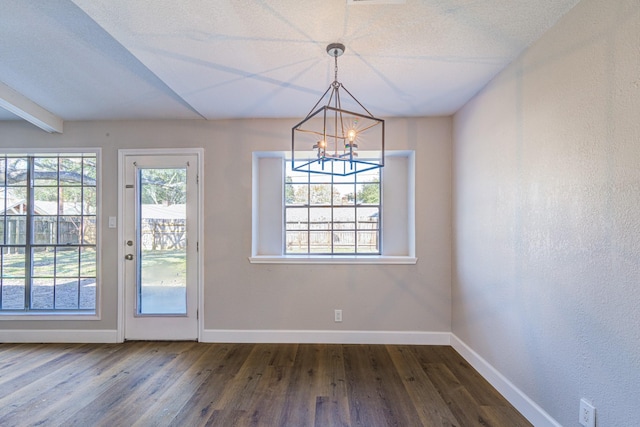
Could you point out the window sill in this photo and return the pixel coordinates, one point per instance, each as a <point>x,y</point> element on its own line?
<point>332,259</point>
<point>49,316</point>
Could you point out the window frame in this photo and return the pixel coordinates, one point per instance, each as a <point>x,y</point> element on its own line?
<point>62,313</point>
<point>398,218</point>
<point>314,180</point>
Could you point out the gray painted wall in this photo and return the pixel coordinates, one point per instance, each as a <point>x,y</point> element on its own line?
<point>546,218</point>
<point>243,296</point>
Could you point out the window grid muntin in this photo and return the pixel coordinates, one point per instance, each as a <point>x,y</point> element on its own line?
<point>292,179</point>
<point>85,171</point>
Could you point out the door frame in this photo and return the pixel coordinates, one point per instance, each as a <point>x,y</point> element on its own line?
<point>122,154</point>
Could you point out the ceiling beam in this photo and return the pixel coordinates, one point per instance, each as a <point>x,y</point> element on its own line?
<point>25,108</point>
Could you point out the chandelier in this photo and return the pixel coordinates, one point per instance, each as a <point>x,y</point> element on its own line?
<point>329,138</point>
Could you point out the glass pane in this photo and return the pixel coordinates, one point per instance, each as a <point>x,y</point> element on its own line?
<point>318,178</point>
<point>42,293</point>
<point>13,294</point>
<point>3,168</point>
<point>87,294</point>
<point>67,262</point>
<point>46,200</point>
<point>89,201</point>
<point>70,201</point>
<point>88,262</point>
<point>70,171</point>
<point>320,242</point>
<point>89,230</point>
<point>69,229</point>
<point>17,171</point>
<point>67,293</point>
<point>320,218</point>
<point>320,194</point>
<point>45,171</point>
<point>44,262</point>
<point>297,242</point>
<point>16,230</point>
<point>162,227</point>
<point>368,218</point>
<point>13,262</point>
<point>297,219</point>
<point>343,194</point>
<point>2,219</point>
<point>368,194</point>
<point>344,242</point>
<point>89,176</point>
<point>44,229</point>
<point>296,194</point>
<point>16,201</point>
<point>344,218</point>
<point>368,242</point>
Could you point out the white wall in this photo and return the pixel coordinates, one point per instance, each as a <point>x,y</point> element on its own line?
<point>244,296</point>
<point>546,285</point>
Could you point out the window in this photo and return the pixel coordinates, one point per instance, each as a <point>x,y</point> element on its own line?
<point>332,215</point>
<point>284,226</point>
<point>48,233</point>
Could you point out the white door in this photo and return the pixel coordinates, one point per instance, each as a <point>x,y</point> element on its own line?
<point>160,231</point>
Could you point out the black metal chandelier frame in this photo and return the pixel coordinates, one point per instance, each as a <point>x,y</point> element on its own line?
<point>334,150</point>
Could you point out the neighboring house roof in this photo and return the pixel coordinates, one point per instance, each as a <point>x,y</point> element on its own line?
<point>177,211</point>
<point>339,215</point>
<point>43,208</point>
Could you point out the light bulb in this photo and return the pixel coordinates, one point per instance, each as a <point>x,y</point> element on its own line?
<point>351,135</point>
<point>320,144</point>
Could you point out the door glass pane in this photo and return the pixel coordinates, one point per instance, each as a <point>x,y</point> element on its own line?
<point>162,283</point>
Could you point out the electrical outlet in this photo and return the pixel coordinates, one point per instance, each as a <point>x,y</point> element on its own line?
<point>337,315</point>
<point>587,414</point>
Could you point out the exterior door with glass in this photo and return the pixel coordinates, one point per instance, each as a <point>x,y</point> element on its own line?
<point>160,197</point>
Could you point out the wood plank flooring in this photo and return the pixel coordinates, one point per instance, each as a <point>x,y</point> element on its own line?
<point>198,384</point>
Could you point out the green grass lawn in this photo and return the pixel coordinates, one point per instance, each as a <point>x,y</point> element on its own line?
<point>157,266</point>
<point>168,268</point>
<point>52,262</point>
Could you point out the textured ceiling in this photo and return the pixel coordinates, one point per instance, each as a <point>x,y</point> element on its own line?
<point>151,59</point>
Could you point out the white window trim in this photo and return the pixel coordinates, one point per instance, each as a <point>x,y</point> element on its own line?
<point>67,315</point>
<point>266,244</point>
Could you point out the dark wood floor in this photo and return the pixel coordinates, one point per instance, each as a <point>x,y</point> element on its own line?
<point>191,384</point>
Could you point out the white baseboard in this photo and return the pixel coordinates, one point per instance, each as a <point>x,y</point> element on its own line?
<point>527,407</point>
<point>326,337</point>
<point>58,336</point>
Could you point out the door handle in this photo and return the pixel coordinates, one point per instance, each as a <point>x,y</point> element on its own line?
<point>128,257</point>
